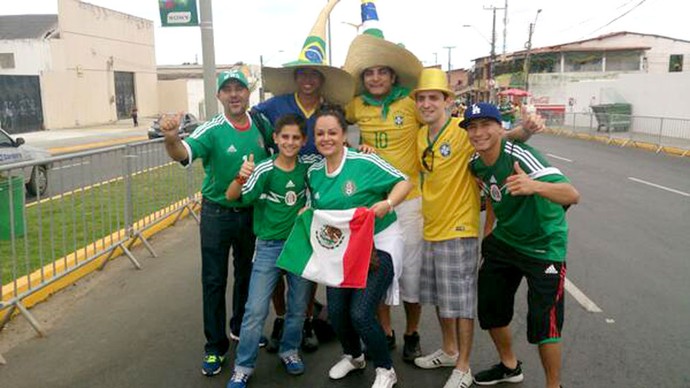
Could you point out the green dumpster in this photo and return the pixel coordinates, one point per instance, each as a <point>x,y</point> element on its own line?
<point>613,117</point>
<point>17,206</point>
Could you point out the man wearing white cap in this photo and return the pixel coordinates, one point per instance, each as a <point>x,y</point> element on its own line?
<point>384,73</point>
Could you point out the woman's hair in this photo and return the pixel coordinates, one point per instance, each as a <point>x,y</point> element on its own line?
<point>333,110</point>
<point>291,119</point>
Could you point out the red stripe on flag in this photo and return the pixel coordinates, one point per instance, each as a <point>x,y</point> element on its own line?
<point>358,251</point>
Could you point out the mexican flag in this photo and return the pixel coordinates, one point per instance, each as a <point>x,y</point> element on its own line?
<point>330,247</point>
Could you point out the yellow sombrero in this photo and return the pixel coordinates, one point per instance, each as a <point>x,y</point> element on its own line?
<point>371,49</point>
<point>338,86</point>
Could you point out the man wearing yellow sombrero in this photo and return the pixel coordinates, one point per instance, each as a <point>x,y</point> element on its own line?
<point>300,87</point>
<point>384,74</point>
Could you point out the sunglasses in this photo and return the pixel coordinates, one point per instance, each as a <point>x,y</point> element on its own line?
<point>428,159</point>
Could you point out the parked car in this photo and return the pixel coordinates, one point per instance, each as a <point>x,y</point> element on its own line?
<point>15,151</point>
<point>187,125</point>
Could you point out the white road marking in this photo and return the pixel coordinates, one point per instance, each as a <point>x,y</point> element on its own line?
<point>659,186</point>
<point>581,298</point>
<point>560,158</point>
<point>70,165</point>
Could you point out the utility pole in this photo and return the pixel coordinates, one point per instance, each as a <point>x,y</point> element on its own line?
<point>209,57</point>
<point>492,86</point>
<point>528,46</point>
<point>435,58</point>
<point>449,64</point>
<point>262,90</point>
<point>505,26</point>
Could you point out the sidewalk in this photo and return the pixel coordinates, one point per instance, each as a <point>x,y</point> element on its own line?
<point>65,140</point>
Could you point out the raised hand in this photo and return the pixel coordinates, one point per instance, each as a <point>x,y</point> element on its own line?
<point>520,183</point>
<point>170,124</point>
<point>532,123</point>
<point>247,167</point>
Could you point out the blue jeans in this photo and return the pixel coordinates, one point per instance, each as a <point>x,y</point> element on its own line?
<point>223,228</point>
<point>263,281</point>
<point>353,314</point>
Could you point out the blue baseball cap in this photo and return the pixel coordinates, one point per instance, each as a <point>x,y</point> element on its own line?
<point>482,110</point>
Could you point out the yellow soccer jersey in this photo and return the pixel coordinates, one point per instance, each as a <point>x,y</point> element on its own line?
<point>450,196</point>
<point>394,138</point>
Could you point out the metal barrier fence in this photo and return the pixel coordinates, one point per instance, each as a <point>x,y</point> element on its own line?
<point>660,132</point>
<point>97,203</point>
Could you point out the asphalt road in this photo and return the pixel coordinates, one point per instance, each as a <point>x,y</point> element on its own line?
<point>628,257</point>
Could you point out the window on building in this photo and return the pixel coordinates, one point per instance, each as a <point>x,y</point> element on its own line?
<point>675,64</point>
<point>623,61</point>
<point>545,63</point>
<point>583,62</point>
<point>6,60</point>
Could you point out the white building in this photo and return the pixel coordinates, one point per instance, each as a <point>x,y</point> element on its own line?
<point>85,65</point>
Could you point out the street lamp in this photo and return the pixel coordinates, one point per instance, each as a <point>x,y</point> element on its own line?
<point>528,46</point>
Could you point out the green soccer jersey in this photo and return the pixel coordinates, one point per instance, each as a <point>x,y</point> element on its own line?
<point>361,180</point>
<point>277,196</point>
<point>222,149</point>
<point>533,225</point>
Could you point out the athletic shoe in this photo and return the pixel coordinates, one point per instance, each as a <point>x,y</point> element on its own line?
<point>346,365</point>
<point>293,364</point>
<point>212,364</point>
<point>309,341</point>
<point>390,340</point>
<point>499,373</point>
<point>277,333</point>
<point>385,378</point>
<point>238,380</point>
<point>411,348</point>
<point>437,359</point>
<point>263,341</point>
<point>459,379</point>
<point>234,337</point>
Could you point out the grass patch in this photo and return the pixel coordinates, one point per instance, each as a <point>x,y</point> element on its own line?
<point>70,222</point>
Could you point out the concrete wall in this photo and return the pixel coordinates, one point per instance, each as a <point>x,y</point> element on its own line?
<point>657,95</point>
<point>31,57</point>
<point>79,86</point>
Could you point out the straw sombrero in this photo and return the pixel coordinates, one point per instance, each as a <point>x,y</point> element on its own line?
<point>338,85</point>
<point>371,49</point>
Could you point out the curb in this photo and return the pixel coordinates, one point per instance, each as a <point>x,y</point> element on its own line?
<point>100,144</point>
<point>669,150</point>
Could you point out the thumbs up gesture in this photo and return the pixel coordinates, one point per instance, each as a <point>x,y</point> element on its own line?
<point>247,167</point>
<point>520,183</point>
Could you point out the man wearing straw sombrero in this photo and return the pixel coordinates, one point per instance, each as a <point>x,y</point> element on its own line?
<point>384,73</point>
<point>300,88</point>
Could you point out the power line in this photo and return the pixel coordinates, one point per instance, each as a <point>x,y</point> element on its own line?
<point>619,17</point>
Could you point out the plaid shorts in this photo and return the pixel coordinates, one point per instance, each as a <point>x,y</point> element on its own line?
<point>449,277</point>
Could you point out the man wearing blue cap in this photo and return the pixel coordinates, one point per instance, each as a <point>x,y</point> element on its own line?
<point>222,143</point>
<point>528,198</point>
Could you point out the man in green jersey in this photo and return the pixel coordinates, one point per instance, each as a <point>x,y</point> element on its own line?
<point>528,198</point>
<point>222,143</point>
<point>277,187</point>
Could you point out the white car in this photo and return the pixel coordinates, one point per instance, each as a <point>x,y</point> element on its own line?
<point>15,151</point>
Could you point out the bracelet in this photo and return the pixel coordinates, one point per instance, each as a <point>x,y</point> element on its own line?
<point>241,179</point>
<point>390,205</point>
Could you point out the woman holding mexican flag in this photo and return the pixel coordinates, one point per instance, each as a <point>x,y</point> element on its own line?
<point>346,179</point>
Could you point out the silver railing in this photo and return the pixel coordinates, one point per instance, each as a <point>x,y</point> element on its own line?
<point>97,203</point>
<point>661,133</point>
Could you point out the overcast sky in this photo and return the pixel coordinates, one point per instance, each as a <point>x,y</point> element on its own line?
<point>244,30</point>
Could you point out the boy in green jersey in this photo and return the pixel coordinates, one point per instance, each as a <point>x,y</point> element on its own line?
<point>528,198</point>
<point>277,189</point>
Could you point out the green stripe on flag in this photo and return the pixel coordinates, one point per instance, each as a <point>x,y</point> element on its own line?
<point>297,250</point>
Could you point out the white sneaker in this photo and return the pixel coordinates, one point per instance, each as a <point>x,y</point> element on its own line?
<point>436,359</point>
<point>459,379</point>
<point>346,365</point>
<point>385,378</point>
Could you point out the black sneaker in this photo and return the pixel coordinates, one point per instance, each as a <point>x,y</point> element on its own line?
<point>309,341</point>
<point>499,373</point>
<point>390,340</point>
<point>411,348</point>
<point>277,333</point>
